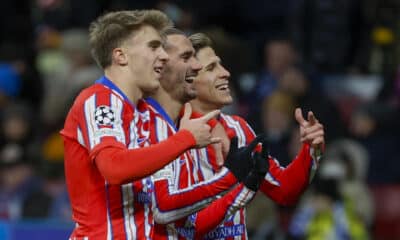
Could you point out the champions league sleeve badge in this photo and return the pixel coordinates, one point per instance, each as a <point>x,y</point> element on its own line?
<point>104,116</point>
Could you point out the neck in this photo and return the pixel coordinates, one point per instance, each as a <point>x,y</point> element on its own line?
<point>171,106</point>
<point>202,107</point>
<point>125,82</point>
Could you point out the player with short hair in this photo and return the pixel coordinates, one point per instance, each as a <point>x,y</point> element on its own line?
<point>107,160</point>
<point>283,185</point>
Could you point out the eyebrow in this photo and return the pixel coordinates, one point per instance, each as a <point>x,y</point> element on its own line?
<point>213,63</point>
<point>187,53</point>
<point>155,42</point>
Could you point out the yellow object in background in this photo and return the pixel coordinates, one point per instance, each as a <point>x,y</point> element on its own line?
<point>382,36</point>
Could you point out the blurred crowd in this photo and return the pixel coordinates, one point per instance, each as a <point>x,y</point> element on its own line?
<point>338,58</point>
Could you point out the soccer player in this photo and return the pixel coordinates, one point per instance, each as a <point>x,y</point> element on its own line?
<point>107,160</point>
<point>283,185</point>
<point>177,189</point>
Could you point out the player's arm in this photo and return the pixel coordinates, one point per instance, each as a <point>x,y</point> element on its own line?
<point>107,143</point>
<point>171,203</point>
<point>120,165</point>
<point>207,219</point>
<point>285,185</point>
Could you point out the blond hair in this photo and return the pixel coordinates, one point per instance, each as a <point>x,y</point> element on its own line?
<point>110,30</point>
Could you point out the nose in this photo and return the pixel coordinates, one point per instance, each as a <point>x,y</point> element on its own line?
<point>225,73</point>
<point>163,55</point>
<point>196,65</point>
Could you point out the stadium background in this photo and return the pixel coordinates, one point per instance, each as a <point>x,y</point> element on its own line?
<point>339,58</point>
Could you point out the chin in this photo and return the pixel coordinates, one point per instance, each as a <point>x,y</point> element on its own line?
<point>150,89</point>
<point>227,101</point>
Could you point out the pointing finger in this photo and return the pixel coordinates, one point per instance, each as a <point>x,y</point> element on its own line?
<point>210,115</point>
<point>187,111</point>
<point>299,117</point>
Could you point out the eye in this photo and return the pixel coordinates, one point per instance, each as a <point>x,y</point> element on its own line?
<point>154,45</point>
<point>186,56</point>
<point>210,67</point>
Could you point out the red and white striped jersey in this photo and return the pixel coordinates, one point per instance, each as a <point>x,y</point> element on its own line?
<point>103,116</point>
<point>283,185</point>
<point>177,191</point>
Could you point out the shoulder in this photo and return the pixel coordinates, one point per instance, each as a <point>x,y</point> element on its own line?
<point>234,120</point>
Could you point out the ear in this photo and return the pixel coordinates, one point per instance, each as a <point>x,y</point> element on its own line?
<point>119,57</point>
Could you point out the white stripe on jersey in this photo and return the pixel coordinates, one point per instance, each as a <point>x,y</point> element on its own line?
<point>238,129</point>
<point>117,106</point>
<point>109,228</point>
<point>80,137</point>
<point>147,223</point>
<point>201,157</point>
<point>128,210</point>
<point>133,132</point>
<point>94,132</point>
<point>162,128</point>
<point>90,106</point>
<point>236,221</point>
<point>196,165</point>
<point>172,234</point>
<point>165,217</point>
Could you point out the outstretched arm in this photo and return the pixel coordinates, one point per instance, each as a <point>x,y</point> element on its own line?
<point>285,185</point>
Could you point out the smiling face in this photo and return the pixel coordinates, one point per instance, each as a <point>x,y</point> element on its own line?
<point>145,58</point>
<point>181,69</point>
<point>212,83</point>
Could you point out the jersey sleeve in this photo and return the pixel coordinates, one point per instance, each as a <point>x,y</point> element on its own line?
<point>102,126</point>
<point>285,185</point>
<point>213,215</point>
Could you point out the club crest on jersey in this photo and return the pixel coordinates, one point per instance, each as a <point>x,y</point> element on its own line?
<point>104,116</point>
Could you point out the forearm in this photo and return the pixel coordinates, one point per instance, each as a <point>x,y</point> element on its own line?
<point>221,209</point>
<point>171,204</point>
<point>119,165</point>
<point>285,185</point>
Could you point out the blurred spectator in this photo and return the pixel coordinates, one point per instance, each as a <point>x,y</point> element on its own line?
<point>266,225</point>
<point>353,159</point>
<point>328,33</point>
<point>10,84</point>
<point>279,56</point>
<point>21,60</point>
<point>181,16</point>
<point>76,70</point>
<point>64,14</point>
<point>17,177</point>
<point>375,126</point>
<point>295,82</point>
<point>50,200</point>
<point>326,213</point>
<point>278,122</point>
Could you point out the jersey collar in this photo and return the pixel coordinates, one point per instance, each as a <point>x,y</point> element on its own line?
<point>161,111</point>
<point>108,83</point>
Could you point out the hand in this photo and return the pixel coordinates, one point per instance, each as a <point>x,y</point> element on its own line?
<point>199,127</point>
<point>261,167</point>
<point>239,160</point>
<point>222,148</point>
<point>311,131</point>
